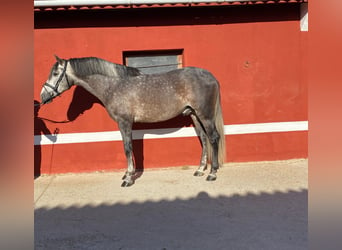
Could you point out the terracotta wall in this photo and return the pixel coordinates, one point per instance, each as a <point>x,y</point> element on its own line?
<point>257,53</point>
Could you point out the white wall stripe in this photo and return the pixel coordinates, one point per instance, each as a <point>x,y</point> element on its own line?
<point>236,129</point>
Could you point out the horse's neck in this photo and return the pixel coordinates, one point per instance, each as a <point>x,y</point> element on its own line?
<point>99,85</point>
<point>102,85</point>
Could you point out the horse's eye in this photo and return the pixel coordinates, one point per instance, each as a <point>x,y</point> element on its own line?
<point>55,73</point>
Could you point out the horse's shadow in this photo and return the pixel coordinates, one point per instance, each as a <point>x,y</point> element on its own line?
<point>83,100</point>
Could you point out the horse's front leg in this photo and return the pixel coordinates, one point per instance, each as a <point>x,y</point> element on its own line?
<point>126,133</point>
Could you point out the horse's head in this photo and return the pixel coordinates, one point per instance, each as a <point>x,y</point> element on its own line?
<point>57,82</point>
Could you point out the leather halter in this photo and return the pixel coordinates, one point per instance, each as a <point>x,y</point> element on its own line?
<point>55,88</point>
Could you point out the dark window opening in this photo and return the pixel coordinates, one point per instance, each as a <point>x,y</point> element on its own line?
<point>151,62</point>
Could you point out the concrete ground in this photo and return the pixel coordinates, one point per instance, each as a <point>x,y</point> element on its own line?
<point>260,205</point>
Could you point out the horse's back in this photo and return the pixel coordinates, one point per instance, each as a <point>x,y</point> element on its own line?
<point>195,74</point>
<point>158,97</point>
<point>183,76</point>
<point>178,82</point>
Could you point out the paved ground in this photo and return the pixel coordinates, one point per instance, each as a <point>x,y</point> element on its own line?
<point>251,206</point>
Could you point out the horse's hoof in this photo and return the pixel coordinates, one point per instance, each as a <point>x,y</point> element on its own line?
<point>198,173</point>
<point>211,177</point>
<point>127,183</point>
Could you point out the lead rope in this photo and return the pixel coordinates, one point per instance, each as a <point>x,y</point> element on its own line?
<point>38,104</point>
<point>52,121</point>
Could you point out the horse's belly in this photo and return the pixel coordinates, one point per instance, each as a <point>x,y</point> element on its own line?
<point>157,113</point>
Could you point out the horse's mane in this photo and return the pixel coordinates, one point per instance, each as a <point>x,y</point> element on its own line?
<point>86,66</point>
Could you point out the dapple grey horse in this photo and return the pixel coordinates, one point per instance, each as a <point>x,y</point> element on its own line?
<point>130,96</point>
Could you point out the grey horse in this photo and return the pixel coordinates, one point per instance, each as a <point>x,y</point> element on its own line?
<point>130,96</point>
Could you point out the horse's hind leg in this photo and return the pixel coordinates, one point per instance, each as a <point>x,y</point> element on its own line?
<point>202,136</point>
<point>214,137</point>
<point>126,133</point>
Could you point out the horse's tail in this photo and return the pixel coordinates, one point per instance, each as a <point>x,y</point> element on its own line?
<point>220,129</point>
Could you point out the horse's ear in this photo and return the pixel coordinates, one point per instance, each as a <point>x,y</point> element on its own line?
<point>60,61</point>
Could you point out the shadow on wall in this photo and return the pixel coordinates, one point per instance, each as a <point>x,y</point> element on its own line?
<point>82,101</point>
<point>264,221</point>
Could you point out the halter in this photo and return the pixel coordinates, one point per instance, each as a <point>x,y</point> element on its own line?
<point>55,88</point>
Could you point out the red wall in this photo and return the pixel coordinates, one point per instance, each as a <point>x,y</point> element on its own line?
<point>257,53</point>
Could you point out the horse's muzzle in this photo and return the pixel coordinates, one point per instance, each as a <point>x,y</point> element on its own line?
<point>46,98</point>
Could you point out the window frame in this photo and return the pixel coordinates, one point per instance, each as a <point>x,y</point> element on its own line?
<point>155,53</point>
